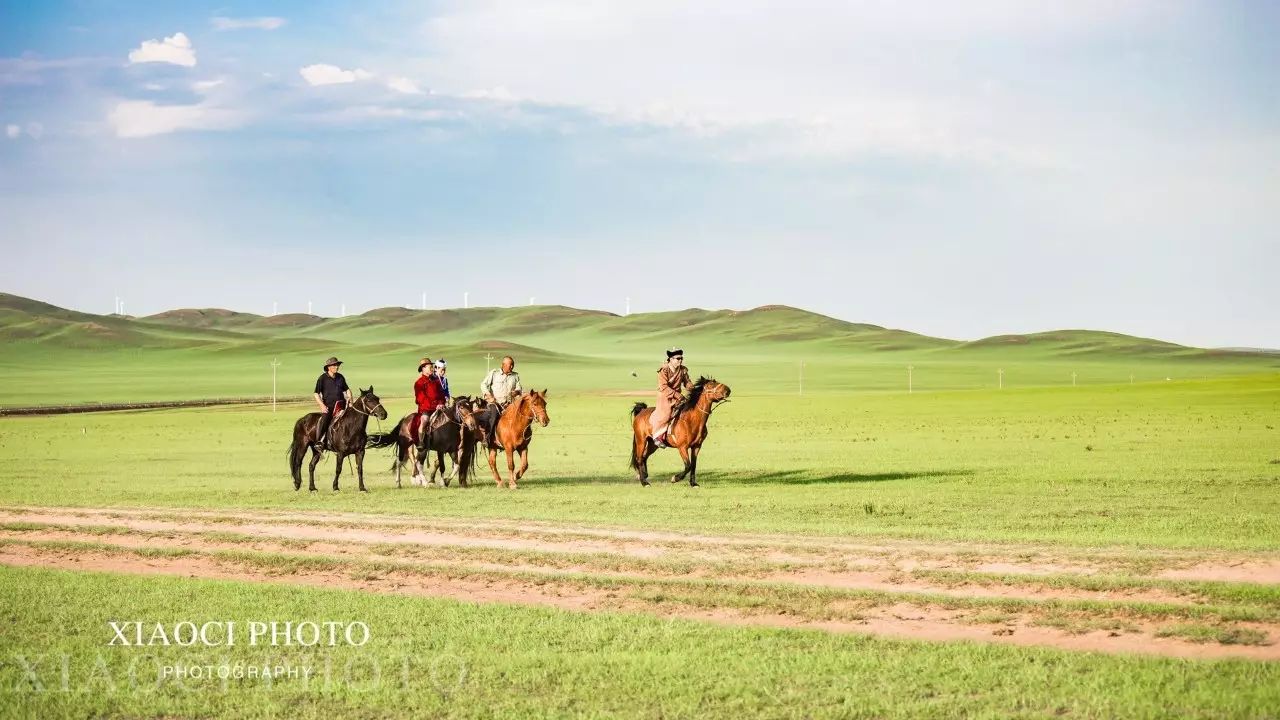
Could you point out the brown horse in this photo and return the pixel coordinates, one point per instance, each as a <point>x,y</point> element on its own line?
<point>451,437</point>
<point>514,433</point>
<point>347,436</point>
<point>688,432</point>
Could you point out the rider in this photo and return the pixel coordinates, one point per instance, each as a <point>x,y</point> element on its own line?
<point>441,368</point>
<point>673,378</point>
<point>332,395</point>
<point>428,393</point>
<point>500,387</point>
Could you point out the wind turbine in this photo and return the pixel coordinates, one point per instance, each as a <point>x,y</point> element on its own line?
<point>466,299</point>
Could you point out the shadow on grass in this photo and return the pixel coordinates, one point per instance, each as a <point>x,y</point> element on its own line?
<point>782,477</point>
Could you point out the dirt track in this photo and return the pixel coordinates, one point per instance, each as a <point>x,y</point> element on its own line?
<point>1098,600</point>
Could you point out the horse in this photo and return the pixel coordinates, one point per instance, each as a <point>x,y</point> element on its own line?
<point>514,432</point>
<point>451,438</point>
<point>688,430</point>
<point>347,436</point>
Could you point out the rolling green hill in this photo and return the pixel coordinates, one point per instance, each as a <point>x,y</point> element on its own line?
<point>52,355</point>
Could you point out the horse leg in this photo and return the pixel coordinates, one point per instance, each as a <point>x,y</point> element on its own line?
<point>684,455</point>
<point>453,456</point>
<point>315,460</point>
<point>360,469</point>
<point>493,465</point>
<point>524,462</point>
<point>693,465</point>
<point>511,467</point>
<point>337,470</point>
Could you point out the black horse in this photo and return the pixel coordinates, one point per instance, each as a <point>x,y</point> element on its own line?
<point>456,437</point>
<point>347,436</point>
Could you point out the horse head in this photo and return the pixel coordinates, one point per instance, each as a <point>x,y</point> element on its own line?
<point>464,410</point>
<point>538,406</point>
<point>372,404</point>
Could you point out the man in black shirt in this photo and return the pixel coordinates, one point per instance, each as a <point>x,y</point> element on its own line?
<point>332,394</point>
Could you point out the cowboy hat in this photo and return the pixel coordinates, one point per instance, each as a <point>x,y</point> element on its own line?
<point>331,361</point>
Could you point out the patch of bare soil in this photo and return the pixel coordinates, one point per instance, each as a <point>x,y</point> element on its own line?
<point>902,619</point>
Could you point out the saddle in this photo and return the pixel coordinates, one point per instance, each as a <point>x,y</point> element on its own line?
<point>437,420</point>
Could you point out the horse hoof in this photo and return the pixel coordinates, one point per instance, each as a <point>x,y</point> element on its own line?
<point>644,483</point>
<point>675,479</point>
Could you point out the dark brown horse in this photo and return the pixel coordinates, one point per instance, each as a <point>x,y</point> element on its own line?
<point>688,432</point>
<point>347,436</point>
<point>456,437</point>
<point>514,433</point>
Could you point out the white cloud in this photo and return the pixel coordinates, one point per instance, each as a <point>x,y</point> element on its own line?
<point>404,85</point>
<point>143,118</point>
<point>204,86</point>
<point>175,49</point>
<point>12,131</point>
<point>324,74</point>
<point>255,23</point>
<point>833,79</point>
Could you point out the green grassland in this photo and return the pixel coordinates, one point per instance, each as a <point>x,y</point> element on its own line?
<point>440,658</point>
<point>1188,462</point>
<point>1180,464</point>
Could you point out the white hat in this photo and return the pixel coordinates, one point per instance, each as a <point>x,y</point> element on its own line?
<point>440,363</point>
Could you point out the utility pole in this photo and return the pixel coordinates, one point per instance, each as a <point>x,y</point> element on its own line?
<point>1000,375</point>
<point>1073,379</point>
<point>488,357</point>
<point>801,377</point>
<point>275,363</point>
<point>910,368</point>
<point>1130,378</point>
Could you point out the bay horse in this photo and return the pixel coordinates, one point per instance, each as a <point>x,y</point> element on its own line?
<point>514,432</point>
<point>451,437</point>
<point>687,434</point>
<point>347,436</point>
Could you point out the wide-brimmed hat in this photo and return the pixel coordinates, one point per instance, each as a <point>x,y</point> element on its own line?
<point>331,361</point>
<point>674,352</point>
<point>422,365</point>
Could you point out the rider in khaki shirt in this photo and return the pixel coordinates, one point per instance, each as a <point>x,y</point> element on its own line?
<point>500,387</point>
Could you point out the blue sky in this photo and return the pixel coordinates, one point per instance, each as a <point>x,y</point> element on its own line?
<point>959,169</point>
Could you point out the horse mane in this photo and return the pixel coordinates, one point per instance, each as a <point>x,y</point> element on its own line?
<point>695,392</point>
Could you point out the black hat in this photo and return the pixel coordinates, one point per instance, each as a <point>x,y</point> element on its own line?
<point>331,361</point>
<point>674,352</point>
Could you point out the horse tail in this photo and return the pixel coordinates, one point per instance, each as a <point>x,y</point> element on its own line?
<point>380,440</point>
<point>297,449</point>
<point>635,455</point>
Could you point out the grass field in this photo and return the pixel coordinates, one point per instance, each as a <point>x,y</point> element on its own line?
<point>855,551</point>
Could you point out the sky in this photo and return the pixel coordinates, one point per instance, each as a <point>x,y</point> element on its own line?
<point>956,169</point>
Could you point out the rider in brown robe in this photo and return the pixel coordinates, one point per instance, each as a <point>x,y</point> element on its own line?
<point>673,380</point>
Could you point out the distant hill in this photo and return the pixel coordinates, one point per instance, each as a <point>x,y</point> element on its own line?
<point>553,331</point>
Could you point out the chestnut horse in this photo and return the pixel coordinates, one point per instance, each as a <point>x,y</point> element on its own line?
<point>687,432</point>
<point>514,433</point>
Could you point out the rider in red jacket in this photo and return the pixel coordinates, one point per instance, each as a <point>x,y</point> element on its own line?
<point>428,392</point>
